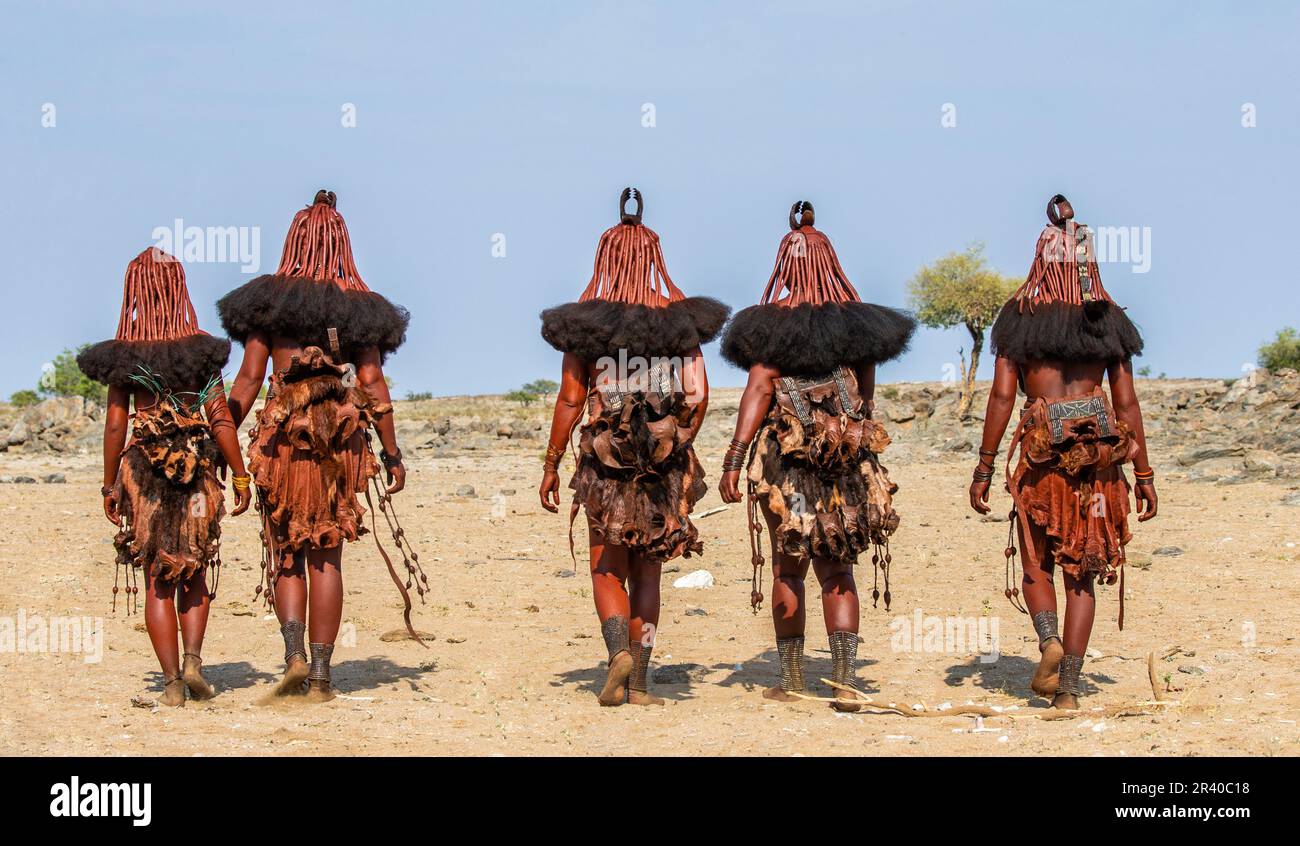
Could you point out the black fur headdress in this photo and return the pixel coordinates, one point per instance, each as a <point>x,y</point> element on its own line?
<point>305,310</point>
<point>179,363</point>
<point>631,304</point>
<point>1062,312</point>
<point>157,331</point>
<point>598,328</point>
<point>810,318</point>
<point>316,288</point>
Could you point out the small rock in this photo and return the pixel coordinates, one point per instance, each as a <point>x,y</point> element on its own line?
<point>696,579</point>
<point>505,432</point>
<point>995,517</point>
<point>24,480</point>
<point>901,415</point>
<point>1171,551</point>
<point>959,443</point>
<point>678,673</point>
<point>1293,499</point>
<point>507,491</point>
<point>696,612</point>
<point>673,568</point>
<point>1191,669</point>
<point>465,490</point>
<point>563,574</point>
<point>55,479</point>
<point>532,609</point>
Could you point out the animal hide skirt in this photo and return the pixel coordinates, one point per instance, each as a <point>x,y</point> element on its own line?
<point>638,477</point>
<point>169,497</point>
<point>1069,488</point>
<point>825,484</point>
<point>309,456</point>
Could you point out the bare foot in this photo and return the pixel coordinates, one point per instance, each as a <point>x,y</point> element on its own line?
<point>295,673</point>
<point>193,676</point>
<point>642,697</point>
<point>1047,676</point>
<point>776,694</point>
<point>615,689</point>
<point>1065,702</point>
<point>173,693</point>
<point>319,691</point>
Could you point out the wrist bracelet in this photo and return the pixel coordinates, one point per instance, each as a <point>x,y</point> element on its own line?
<point>390,460</point>
<point>553,456</point>
<point>982,475</point>
<point>241,483</point>
<point>106,490</point>
<point>735,457</point>
<point>990,453</point>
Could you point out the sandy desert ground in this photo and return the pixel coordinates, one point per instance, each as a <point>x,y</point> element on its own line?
<point>515,655</point>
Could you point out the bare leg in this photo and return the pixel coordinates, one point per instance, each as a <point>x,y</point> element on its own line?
<point>325,601</point>
<point>1080,608</point>
<point>291,608</point>
<point>643,585</point>
<point>1040,598</point>
<point>609,572</point>
<point>788,614</point>
<point>840,607</point>
<point>194,605</point>
<point>160,622</point>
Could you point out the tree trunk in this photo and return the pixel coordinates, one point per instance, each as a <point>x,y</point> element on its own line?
<point>968,381</point>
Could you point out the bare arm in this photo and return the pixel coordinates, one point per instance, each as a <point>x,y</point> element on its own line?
<point>574,385</point>
<point>867,386</point>
<point>252,373</point>
<point>227,438</point>
<point>115,422</point>
<point>695,384</point>
<point>1002,401</point>
<point>1123,394</point>
<point>754,404</point>
<point>370,377</point>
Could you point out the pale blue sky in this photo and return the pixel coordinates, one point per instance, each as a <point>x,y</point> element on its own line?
<point>526,119</point>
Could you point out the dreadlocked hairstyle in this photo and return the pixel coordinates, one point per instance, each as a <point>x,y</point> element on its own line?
<point>810,318</point>
<point>631,303</point>
<point>1062,311</point>
<point>157,331</point>
<point>316,287</point>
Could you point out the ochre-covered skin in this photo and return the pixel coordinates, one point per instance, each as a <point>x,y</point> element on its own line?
<point>308,454</point>
<point>1074,494</point>
<point>638,477</point>
<point>824,483</point>
<point>169,496</point>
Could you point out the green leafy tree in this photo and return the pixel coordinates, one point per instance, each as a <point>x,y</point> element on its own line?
<point>1282,352</point>
<point>521,396</point>
<point>24,398</point>
<point>960,289</point>
<point>418,396</point>
<point>542,387</point>
<point>63,378</point>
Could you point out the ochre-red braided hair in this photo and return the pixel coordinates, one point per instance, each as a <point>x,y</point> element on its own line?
<point>1054,275</point>
<point>317,246</point>
<point>629,265</point>
<point>155,302</point>
<point>807,269</point>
